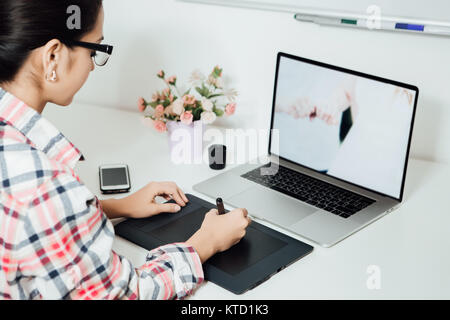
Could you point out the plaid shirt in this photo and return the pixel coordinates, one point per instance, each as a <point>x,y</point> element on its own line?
<point>55,240</point>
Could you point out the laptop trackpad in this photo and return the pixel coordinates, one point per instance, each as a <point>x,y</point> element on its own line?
<point>271,205</point>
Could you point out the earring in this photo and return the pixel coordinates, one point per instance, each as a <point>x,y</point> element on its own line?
<point>53,77</point>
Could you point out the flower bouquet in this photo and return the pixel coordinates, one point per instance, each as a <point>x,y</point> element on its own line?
<point>204,101</point>
<point>185,115</point>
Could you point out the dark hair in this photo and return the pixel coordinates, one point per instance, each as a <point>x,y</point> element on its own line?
<point>26,25</point>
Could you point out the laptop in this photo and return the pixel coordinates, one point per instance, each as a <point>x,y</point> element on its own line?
<point>338,152</point>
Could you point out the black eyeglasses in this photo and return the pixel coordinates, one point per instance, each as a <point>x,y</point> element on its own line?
<point>101,53</point>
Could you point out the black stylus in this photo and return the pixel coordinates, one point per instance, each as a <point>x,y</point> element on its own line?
<point>220,207</point>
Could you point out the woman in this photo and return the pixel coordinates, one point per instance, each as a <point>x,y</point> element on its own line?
<point>55,236</point>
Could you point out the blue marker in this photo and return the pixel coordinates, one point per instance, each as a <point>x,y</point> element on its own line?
<point>409,27</point>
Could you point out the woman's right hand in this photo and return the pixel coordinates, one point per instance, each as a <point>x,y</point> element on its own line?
<point>219,232</point>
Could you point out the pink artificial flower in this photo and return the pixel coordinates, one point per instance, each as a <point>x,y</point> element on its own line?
<point>187,117</point>
<point>169,110</point>
<point>172,80</point>
<point>160,126</point>
<point>155,97</point>
<point>159,111</point>
<point>230,109</point>
<point>161,74</point>
<point>189,99</point>
<point>218,71</point>
<point>166,92</point>
<point>142,105</point>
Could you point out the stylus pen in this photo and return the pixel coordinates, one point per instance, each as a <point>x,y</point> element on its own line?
<point>220,207</point>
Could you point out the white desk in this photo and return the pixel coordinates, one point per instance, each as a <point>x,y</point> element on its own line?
<point>410,246</point>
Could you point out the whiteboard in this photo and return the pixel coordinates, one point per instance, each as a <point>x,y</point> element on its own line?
<point>436,11</point>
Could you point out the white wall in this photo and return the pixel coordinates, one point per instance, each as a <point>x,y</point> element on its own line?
<point>179,37</point>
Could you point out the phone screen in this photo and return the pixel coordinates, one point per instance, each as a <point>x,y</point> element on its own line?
<point>114,177</point>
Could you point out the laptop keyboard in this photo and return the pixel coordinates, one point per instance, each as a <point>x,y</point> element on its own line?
<point>313,191</point>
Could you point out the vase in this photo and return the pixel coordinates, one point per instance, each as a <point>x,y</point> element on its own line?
<point>186,142</point>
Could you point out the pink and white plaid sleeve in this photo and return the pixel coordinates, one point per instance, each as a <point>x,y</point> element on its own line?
<point>55,240</point>
<point>64,251</point>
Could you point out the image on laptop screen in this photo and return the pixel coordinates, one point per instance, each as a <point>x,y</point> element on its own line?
<point>350,127</point>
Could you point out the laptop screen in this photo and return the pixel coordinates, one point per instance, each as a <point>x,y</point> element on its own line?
<point>345,124</point>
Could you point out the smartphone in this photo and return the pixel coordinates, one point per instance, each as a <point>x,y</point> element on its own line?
<point>114,178</point>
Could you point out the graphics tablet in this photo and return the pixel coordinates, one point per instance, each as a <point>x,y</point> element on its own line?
<point>260,254</point>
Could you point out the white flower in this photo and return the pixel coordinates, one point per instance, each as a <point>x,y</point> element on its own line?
<point>231,94</point>
<point>208,117</point>
<point>219,83</point>
<point>196,77</point>
<point>211,80</point>
<point>178,107</point>
<point>207,104</point>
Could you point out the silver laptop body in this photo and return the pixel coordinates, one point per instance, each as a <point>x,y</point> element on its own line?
<point>309,221</point>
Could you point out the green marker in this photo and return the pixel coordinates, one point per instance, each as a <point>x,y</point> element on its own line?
<point>349,21</point>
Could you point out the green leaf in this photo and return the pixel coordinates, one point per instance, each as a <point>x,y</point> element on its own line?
<point>197,113</point>
<point>215,95</point>
<point>154,104</point>
<point>218,112</point>
<point>203,91</point>
<point>217,72</point>
<point>199,90</point>
<point>206,91</point>
<point>187,92</point>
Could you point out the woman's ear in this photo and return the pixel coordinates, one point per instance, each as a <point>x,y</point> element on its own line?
<point>52,55</point>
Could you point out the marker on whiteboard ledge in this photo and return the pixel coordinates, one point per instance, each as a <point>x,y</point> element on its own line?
<point>439,30</point>
<point>410,27</point>
<point>385,24</point>
<point>415,27</point>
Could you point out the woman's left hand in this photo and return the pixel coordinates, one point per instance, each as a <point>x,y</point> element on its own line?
<point>142,204</point>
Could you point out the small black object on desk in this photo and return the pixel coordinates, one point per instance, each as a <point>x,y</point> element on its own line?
<point>217,156</point>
